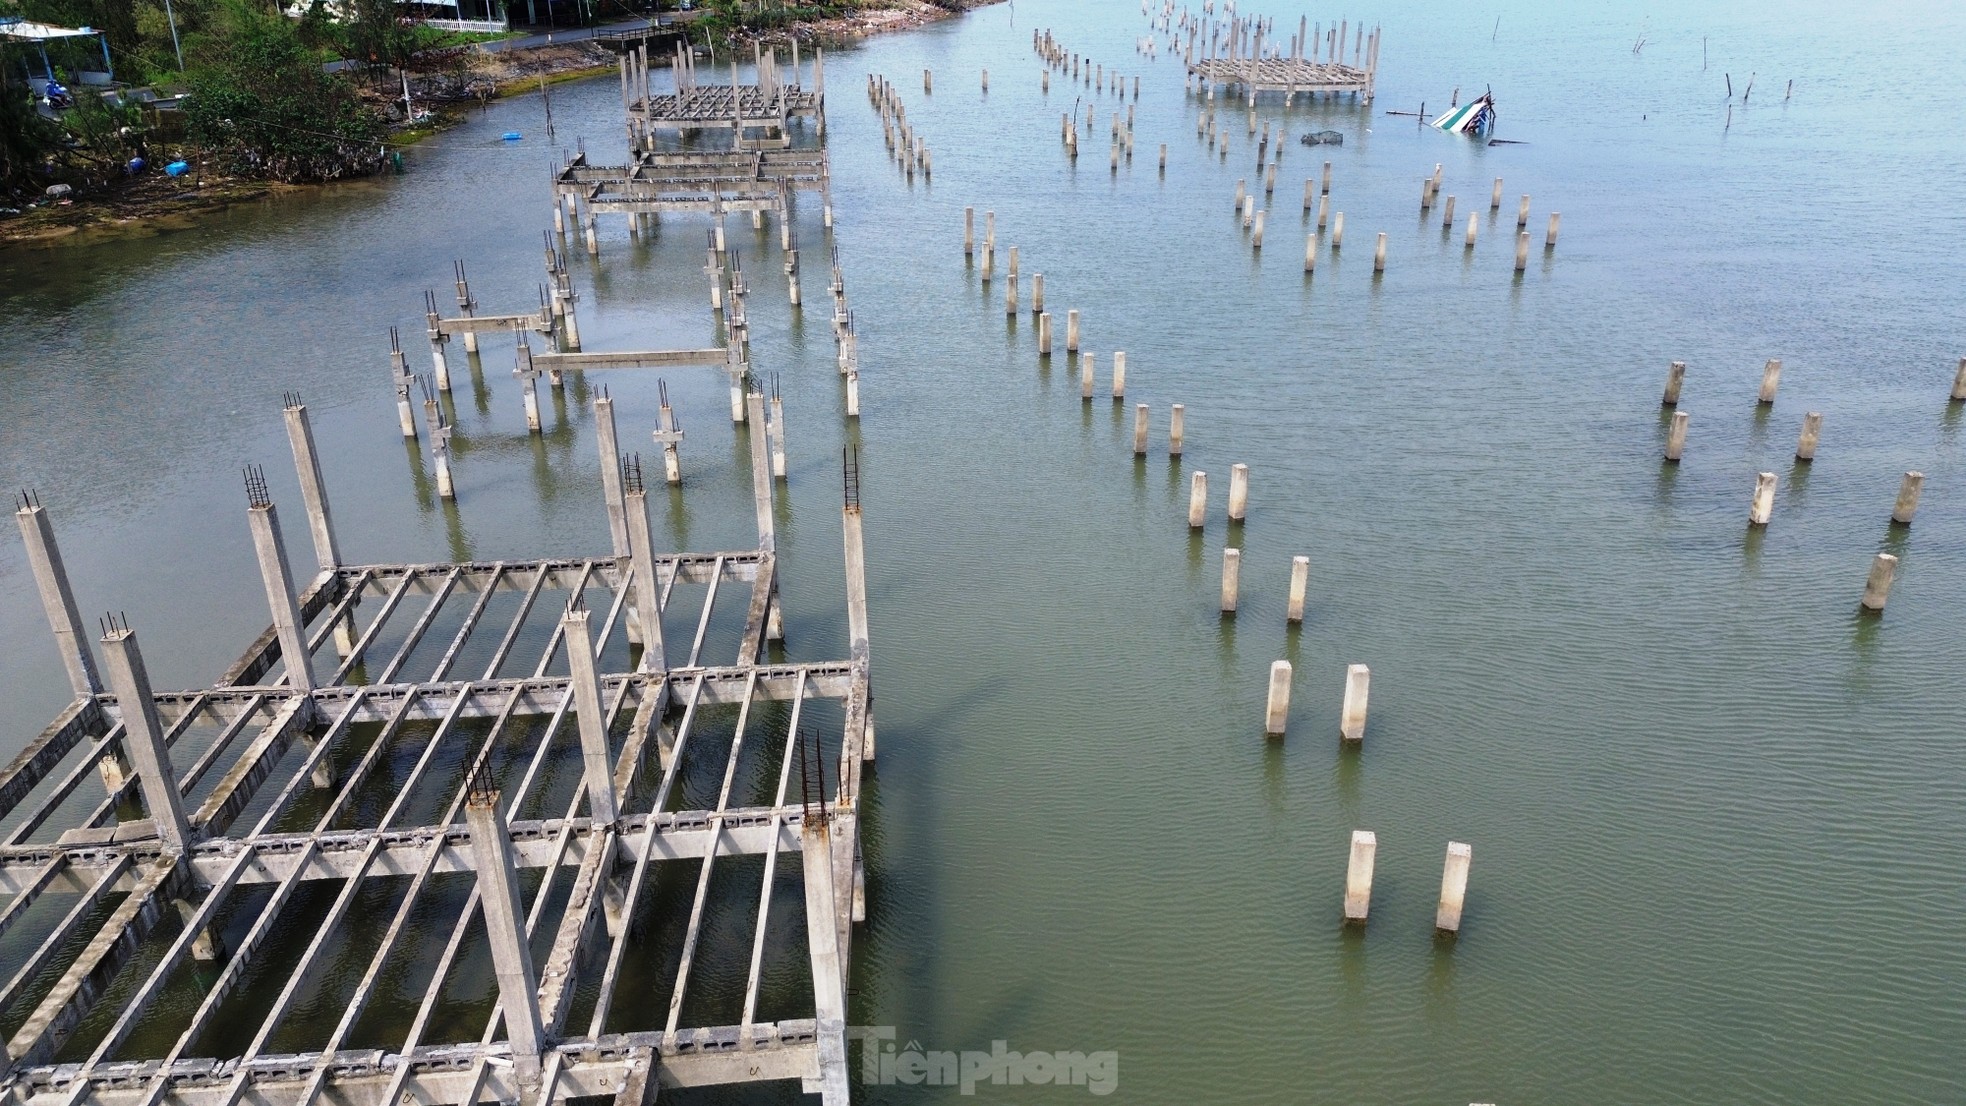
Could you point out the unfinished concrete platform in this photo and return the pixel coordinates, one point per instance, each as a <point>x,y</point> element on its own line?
<point>757,115</point>
<point>482,725</point>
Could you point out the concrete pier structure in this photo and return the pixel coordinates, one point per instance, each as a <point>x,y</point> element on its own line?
<point>1197,500</point>
<point>641,725</point>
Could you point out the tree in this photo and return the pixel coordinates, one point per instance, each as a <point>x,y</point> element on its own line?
<point>265,108</point>
<point>26,139</point>
<point>376,33</point>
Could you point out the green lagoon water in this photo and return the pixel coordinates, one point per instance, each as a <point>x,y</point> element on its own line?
<point>1718,819</point>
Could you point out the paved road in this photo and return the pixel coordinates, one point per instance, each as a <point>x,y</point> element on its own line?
<point>547,38</point>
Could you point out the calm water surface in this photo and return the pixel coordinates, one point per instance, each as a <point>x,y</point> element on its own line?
<point>1718,819</point>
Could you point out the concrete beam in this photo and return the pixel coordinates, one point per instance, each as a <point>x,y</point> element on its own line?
<point>75,993</point>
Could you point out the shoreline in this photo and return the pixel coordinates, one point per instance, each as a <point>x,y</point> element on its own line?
<point>156,204</point>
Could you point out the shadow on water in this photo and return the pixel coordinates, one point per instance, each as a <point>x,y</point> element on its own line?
<point>1345,773</point>
<point>1751,542</point>
<point>1275,775</point>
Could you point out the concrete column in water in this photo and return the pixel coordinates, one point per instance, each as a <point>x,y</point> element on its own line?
<point>1472,227</point>
<point>1877,588</point>
<point>1238,492</point>
<point>1310,252</point>
<point>1522,251</point>
<point>777,437</point>
<point>1763,505</point>
<point>1907,504</point>
<point>1959,381</point>
<point>647,597</point>
<point>1086,363</point>
<point>1453,887</point>
<point>1044,334</point>
<point>1231,579</point>
<point>143,736</point>
<point>57,599</point>
<point>1277,712</point>
<point>313,491</point>
<point>1358,875</point>
<point>1522,213</point>
<point>1556,220</point>
<point>1323,211</point>
<point>1175,430</point>
<point>1771,378</point>
<point>596,758</point>
<point>611,475</point>
<point>1072,331</point>
<point>1256,234</point>
<point>1324,188</point>
<point>1358,691</point>
<point>439,364</point>
<point>505,926</point>
<point>969,231</point>
<point>1197,500</point>
<point>1805,444</point>
<point>1447,215</point>
<point>273,570</point>
<point>1495,197</point>
<point>1379,254</point>
<point>1675,377</point>
<point>856,576</point>
<point>1676,436</point>
<point>1300,577</point>
<point>1140,430</point>
<point>1337,231</point>
<point>754,403</point>
<point>1119,375</point>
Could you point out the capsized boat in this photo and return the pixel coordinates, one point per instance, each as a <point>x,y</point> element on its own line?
<point>1477,116</point>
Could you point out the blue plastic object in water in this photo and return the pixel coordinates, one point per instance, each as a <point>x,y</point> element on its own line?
<point>513,136</point>
<point>177,168</point>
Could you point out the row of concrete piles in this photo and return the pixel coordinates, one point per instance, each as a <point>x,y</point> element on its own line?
<point>1761,505</point>
<point>1352,720</point>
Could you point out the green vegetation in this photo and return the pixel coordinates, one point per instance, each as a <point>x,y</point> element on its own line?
<point>260,104</point>
<point>266,109</point>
